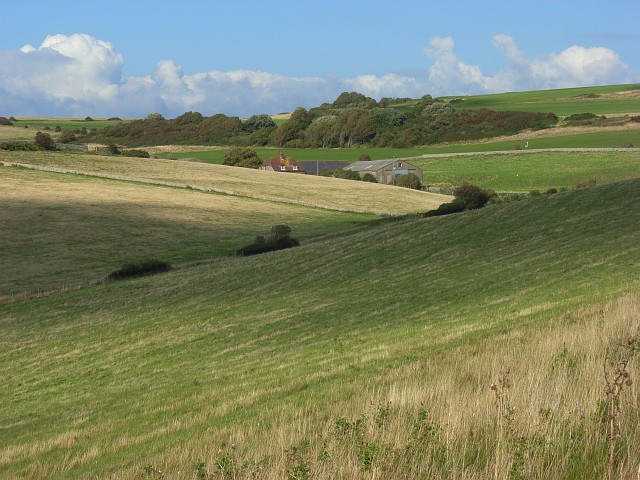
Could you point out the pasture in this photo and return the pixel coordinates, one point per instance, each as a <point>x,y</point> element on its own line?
<point>40,123</point>
<point>61,230</point>
<point>527,171</point>
<point>356,356</point>
<point>512,171</point>
<point>322,192</point>
<point>9,133</point>
<point>605,100</point>
<point>553,138</point>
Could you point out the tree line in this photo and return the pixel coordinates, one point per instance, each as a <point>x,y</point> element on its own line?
<point>351,120</point>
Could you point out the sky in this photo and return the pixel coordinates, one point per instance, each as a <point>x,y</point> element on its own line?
<point>130,58</point>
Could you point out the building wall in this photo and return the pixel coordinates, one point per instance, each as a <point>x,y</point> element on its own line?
<point>387,174</point>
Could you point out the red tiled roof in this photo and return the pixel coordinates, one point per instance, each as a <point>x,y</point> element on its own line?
<point>276,163</point>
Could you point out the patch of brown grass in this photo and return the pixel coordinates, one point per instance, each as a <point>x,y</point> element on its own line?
<point>322,192</point>
<point>64,229</point>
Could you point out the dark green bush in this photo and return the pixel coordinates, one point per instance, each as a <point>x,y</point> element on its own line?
<point>140,269</point>
<point>552,191</point>
<point>279,240</point>
<point>346,174</point>
<point>18,146</point>
<point>473,196</point>
<point>136,153</point>
<point>455,206</point>
<point>369,177</point>
<point>268,246</point>
<point>410,180</point>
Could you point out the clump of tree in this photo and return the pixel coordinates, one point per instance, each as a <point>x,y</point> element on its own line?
<point>353,100</point>
<point>44,141</point>
<point>473,196</point>
<point>5,121</point>
<point>346,174</point>
<point>278,240</point>
<point>467,197</point>
<point>351,120</point>
<point>242,157</point>
<point>409,180</point>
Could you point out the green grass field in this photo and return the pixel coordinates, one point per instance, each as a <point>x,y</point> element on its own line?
<point>606,100</point>
<point>64,123</point>
<point>587,139</point>
<point>61,230</point>
<point>518,171</point>
<point>523,172</point>
<point>260,367</point>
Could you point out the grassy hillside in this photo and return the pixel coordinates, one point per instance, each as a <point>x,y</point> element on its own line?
<point>363,356</point>
<point>554,138</point>
<point>64,123</point>
<point>329,193</point>
<point>527,171</point>
<point>516,171</point>
<point>64,229</point>
<point>606,100</point>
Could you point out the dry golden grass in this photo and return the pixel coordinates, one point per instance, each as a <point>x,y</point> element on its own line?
<point>8,133</point>
<point>556,387</point>
<point>309,190</point>
<point>63,229</point>
<point>434,418</point>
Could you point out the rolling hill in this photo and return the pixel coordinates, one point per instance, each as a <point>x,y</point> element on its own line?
<point>361,355</point>
<point>65,229</point>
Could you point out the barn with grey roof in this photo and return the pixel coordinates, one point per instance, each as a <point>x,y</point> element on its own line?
<point>385,171</point>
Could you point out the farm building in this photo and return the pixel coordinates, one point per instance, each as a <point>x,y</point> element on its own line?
<point>385,171</point>
<point>282,163</point>
<point>314,167</point>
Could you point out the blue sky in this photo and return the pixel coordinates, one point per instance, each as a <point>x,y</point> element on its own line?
<point>131,58</point>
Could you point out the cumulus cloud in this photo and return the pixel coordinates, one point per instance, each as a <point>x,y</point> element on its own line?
<point>573,67</point>
<point>80,75</point>
<point>389,85</point>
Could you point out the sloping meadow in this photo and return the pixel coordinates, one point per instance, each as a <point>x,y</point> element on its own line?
<point>63,230</point>
<point>307,190</point>
<point>368,355</point>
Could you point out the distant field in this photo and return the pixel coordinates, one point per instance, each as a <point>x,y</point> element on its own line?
<point>608,100</point>
<point>332,193</point>
<point>64,123</point>
<point>345,154</point>
<point>63,229</point>
<point>506,172</point>
<point>565,137</point>
<point>8,133</point>
<point>523,172</point>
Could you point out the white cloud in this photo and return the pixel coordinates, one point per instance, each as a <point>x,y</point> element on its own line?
<point>573,67</point>
<point>79,75</point>
<point>449,73</point>
<point>390,85</point>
